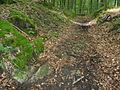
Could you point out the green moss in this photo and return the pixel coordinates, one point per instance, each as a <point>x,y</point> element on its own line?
<point>39,45</point>
<point>20,75</point>
<point>43,70</point>
<point>18,14</point>
<point>11,37</point>
<point>22,21</point>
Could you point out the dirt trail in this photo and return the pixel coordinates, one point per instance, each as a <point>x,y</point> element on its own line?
<point>83,59</point>
<point>67,56</point>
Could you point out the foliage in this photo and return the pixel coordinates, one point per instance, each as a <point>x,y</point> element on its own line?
<point>108,16</point>
<point>18,14</point>
<point>21,49</point>
<point>82,6</point>
<point>70,14</point>
<point>97,12</point>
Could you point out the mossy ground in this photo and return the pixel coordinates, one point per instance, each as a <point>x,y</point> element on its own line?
<point>18,50</point>
<point>21,20</point>
<point>37,22</point>
<point>22,48</point>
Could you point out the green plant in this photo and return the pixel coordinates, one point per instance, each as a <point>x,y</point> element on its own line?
<point>102,18</point>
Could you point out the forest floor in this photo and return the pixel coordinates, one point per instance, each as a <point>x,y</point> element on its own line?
<point>82,58</point>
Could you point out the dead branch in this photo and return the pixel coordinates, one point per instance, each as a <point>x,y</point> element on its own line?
<point>78,80</point>
<point>26,35</point>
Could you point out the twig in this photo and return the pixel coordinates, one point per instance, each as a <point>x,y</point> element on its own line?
<point>78,80</point>
<point>26,35</point>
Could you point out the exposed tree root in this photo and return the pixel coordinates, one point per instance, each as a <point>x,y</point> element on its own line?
<point>110,14</point>
<point>93,22</point>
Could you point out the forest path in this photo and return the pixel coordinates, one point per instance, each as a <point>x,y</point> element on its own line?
<point>74,59</point>
<point>83,59</point>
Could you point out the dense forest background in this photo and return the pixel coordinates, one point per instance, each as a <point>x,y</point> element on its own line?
<point>82,6</point>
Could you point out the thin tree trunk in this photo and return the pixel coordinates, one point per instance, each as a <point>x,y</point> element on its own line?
<point>75,6</point>
<point>91,6</point>
<point>80,9</point>
<point>68,6</point>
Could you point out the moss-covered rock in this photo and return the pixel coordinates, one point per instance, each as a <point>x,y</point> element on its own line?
<point>21,20</point>
<point>18,50</point>
<point>22,49</point>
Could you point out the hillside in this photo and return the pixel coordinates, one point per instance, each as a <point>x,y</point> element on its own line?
<point>25,27</point>
<point>42,48</point>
